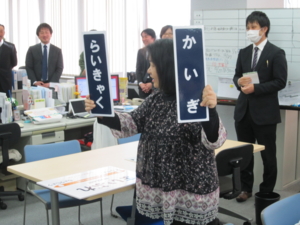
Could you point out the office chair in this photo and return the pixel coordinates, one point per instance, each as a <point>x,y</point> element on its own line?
<point>39,152</point>
<point>129,139</point>
<point>232,161</point>
<point>9,135</point>
<point>285,211</point>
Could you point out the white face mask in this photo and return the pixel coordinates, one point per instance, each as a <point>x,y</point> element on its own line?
<point>253,35</point>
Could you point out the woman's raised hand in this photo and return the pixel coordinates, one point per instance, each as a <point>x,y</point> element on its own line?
<point>209,97</point>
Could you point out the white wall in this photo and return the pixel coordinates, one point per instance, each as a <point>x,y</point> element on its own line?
<point>218,4</point>
<point>265,4</point>
<point>235,4</point>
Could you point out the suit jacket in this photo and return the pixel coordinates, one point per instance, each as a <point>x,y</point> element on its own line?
<point>263,104</point>
<point>34,59</point>
<point>142,64</point>
<point>8,60</point>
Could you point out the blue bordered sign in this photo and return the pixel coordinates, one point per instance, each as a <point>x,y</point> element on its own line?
<point>97,72</point>
<point>189,53</point>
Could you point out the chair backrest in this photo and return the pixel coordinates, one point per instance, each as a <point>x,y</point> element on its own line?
<point>129,139</point>
<point>285,211</point>
<point>232,161</point>
<point>9,135</point>
<point>241,155</point>
<point>46,151</point>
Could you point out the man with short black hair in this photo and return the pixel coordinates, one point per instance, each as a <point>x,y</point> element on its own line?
<point>257,108</point>
<point>8,60</point>
<point>44,68</point>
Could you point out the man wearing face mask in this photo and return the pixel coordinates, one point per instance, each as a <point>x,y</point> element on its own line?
<point>257,109</point>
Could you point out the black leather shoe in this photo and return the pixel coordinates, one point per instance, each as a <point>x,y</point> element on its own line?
<point>243,196</point>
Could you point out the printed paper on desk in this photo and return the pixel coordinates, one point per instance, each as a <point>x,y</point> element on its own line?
<point>98,76</point>
<point>92,182</point>
<point>253,76</point>
<point>190,71</point>
<point>45,115</point>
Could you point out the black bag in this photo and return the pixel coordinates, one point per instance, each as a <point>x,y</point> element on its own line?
<point>131,77</point>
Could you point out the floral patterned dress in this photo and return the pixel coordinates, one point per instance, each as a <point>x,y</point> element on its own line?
<point>176,170</point>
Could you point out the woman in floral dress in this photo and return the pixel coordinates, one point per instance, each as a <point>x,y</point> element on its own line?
<point>176,170</point>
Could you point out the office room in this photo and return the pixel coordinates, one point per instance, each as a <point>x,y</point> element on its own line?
<point>225,35</point>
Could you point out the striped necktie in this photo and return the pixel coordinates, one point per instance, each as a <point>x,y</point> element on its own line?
<point>254,58</point>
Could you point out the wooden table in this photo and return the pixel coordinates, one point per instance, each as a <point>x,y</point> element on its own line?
<point>117,156</point>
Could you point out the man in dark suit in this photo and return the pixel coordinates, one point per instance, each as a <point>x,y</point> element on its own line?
<point>8,60</point>
<point>142,64</point>
<point>257,108</point>
<point>41,71</point>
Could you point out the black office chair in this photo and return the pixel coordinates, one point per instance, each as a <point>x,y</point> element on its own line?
<point>232,161</point>
<point>9,135</point>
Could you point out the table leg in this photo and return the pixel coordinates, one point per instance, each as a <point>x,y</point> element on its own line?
<point>131,220</point>
<point>54,208</point>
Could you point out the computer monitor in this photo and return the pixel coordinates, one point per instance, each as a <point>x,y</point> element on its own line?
<point>82,85</point>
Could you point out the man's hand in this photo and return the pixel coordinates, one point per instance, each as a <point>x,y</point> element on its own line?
<point>142,85</point>
<point>147,88</point>
<point>46,85</point>
<point>248,89</point>
<point>39,83</point>
<point>209,97</point>
<point>244,81</point>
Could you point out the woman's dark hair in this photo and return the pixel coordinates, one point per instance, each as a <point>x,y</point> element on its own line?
<point>164,29</point>
<point>43,25</point>
<point>260,18</point>
<point>150,32</point>
<point>161,54</point>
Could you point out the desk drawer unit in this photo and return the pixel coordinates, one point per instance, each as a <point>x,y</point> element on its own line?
<point>47,137</point>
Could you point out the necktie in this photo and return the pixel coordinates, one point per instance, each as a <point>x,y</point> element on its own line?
<point>44,64</point>
<point>254,58</point>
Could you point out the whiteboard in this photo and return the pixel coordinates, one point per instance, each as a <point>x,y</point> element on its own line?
<point>225,35</point>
